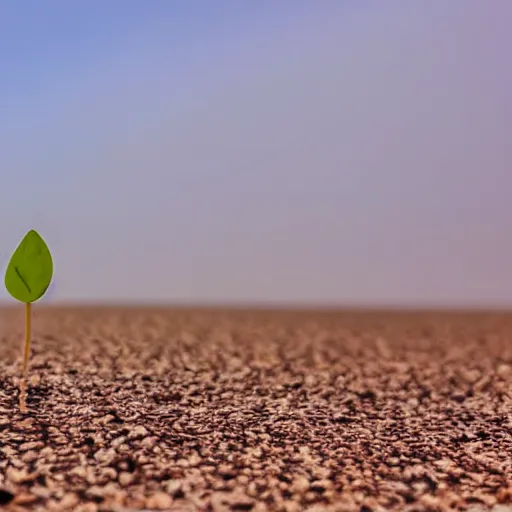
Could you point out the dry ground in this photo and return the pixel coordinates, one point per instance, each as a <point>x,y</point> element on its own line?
<point>257,411</point>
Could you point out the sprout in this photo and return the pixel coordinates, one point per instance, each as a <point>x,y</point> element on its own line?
<point>27,278</point>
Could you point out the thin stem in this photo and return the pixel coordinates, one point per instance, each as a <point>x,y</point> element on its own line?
<point>26,356</point>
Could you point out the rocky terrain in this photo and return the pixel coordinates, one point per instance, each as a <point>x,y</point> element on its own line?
<point>182,410</point>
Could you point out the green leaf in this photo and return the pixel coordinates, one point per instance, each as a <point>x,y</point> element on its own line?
<point>30,270</point>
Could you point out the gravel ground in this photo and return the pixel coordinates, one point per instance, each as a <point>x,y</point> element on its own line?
<point>146,409</point>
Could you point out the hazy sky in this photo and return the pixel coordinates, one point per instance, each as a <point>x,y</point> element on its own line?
<point>311,151</point>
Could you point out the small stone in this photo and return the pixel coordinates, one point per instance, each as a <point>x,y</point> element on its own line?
<point>413,403</point>
<point>320,485</point>
<point>69,500</point>
<point>292,506</point>
<point>19,476</point>
<point>241,502</point>
<point>504,494</point>
<point>79,471</point>
<point>504,370</point>
<point>226,472</point>
<point>226,502</point>
<point>34,380</point>
<point>429,501</point>
<point>24,499</point>
<point>30,456</point>
<point>95,491</point>
<point>482,384</point>
<point>310,381</point>
<point>194,460</point>
<point>107,419</point>
<point>159,501</point>
<point>149,442</point>
<point>33,445</point>
<point>105,456</point>
<point>125,478</point>
<point>300,485</point>
<point>87,507</point>
<point>41,491</point>
<point>138,432</point>
<point>502,508</point>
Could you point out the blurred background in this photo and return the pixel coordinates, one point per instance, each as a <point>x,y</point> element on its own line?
<point>317,153</point>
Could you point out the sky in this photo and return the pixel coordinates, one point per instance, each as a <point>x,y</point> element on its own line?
<point>338,152</point>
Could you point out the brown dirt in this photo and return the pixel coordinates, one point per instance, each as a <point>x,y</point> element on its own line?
<point>257,411</point>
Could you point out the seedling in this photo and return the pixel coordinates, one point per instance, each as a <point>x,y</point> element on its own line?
<point>27,278</point>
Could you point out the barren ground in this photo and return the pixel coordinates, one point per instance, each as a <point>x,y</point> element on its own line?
<point>134,409</point>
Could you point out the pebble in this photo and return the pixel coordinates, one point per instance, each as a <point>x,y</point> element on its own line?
<point>138,432</point>
<point>125,478</point>
<point>159,501</point>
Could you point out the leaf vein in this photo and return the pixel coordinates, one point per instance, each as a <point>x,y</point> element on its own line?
<point>22,280</point>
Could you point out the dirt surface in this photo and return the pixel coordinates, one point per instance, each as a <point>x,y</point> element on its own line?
<point>134,409</point>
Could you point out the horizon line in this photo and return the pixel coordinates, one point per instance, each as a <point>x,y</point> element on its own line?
<point>269,305</point>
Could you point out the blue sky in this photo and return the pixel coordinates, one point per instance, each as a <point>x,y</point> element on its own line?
<point>339,152</point>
